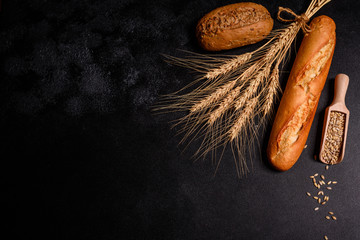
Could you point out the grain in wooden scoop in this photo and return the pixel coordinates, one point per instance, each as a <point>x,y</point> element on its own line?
<point>335,124</point>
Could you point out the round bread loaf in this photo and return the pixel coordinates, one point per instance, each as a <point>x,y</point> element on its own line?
<point>233,26</point>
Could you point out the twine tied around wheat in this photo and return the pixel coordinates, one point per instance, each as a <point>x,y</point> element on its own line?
<point>301,19</point>
<point>235,93</point>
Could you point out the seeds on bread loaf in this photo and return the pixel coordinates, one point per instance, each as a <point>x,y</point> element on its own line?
<point>233,25</point>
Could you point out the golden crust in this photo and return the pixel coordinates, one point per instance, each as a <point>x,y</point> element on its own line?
<point>233,25</point>
<point>297,93</point>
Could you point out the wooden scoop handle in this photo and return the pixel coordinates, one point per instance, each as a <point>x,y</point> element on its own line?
<point>341,85</point>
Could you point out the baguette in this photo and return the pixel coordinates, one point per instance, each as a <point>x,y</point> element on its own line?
<point>301,96</point>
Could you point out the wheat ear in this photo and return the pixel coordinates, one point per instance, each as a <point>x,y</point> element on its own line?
<point>243,118</point>
<point>272,90</point>
<point>229,65</point>
<point>215,96</point>
<point>224,105</point>
<point>229,100</point>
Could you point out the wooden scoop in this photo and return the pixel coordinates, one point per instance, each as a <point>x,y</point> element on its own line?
<point>335,124</point>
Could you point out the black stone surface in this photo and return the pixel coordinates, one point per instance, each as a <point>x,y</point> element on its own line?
<point>83,157</point>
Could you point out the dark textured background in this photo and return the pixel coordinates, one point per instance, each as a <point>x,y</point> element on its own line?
<point>84,158</point>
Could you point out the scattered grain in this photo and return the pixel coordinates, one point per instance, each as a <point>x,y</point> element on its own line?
<point>308,194</point>
<point>322,177</point>
<point>316,208</point>
<point>333,217</point>
<point>327,217</point>
<point>331,213</point>
<point>329,188</point>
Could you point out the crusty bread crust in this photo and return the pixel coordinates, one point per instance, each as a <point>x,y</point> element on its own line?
<point>233,25</point>
<point>301,95</point>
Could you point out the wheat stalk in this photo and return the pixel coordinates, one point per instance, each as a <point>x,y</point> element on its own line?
<point>252,88</point>
<point>229,65</point>
<point>215,96</point>
<point>272,90</point>
<point>242,133</point>
<point>241,121</point>
<point>235,90</point>
<point>224,105</point>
